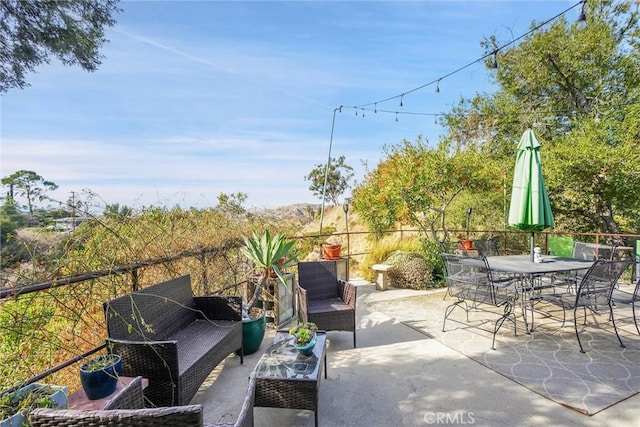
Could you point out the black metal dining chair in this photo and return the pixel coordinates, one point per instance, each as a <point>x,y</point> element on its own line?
<point>593,293</point>
<point>470,281</point>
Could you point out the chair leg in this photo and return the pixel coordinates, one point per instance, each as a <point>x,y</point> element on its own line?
<point>507,313</point>
<point>635,318</point>
<point>449,310</point>
<point>575,324</point>
<point>613,320</point>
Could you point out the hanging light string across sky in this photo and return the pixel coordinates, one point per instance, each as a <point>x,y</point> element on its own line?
<point>373,106</point>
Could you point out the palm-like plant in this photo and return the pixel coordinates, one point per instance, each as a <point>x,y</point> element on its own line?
<point>268,254</point>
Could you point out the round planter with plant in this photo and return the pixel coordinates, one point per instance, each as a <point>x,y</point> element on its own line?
<point>304,337</point>
<point>268,254</point>
<point>99,376</point>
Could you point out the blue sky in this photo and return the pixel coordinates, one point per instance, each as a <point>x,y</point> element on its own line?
<point>198,98</point>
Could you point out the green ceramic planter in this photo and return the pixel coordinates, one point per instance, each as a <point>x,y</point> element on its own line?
<point>252,333</point>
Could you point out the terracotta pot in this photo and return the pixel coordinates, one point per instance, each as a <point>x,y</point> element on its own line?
<point>331,251</point>
<point>467,244</point>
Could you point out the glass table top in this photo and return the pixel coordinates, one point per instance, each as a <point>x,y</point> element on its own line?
<point>282,361</point>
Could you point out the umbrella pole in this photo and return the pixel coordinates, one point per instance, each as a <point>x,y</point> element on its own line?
<point>531,248</point>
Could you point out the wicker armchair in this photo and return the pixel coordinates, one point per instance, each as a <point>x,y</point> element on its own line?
<point>324,300</point>
<point>173,416</point>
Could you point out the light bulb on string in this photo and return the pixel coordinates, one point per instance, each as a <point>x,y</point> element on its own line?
<point>582,19</point>
<point>375,108</point>
<point>401,96</point>
<point>438,86</point>
<point>396,116</point>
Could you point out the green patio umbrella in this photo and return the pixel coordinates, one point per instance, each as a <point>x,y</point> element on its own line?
<point>530,209</point>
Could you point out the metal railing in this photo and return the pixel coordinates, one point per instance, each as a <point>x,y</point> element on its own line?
<point>511,242</point>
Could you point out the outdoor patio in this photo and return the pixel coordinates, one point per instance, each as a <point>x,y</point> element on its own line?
<point>399,375</point>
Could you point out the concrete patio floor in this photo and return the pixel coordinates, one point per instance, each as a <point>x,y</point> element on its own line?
<point>400,377</point>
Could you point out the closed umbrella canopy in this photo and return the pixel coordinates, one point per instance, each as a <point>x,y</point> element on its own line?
<point>530,209</point>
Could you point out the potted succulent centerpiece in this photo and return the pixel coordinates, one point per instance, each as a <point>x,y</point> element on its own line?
<point>15,406</point>
<point>268,254</point>
<point>304,337</point>
<point>99,376</point>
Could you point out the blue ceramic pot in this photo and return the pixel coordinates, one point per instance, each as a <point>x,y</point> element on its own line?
<point>100,383</point>
<point>306,349</point>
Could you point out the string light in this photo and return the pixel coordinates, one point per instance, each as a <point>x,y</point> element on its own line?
<point>582,19</point>
<point>438,86</point>
<point>495,62</point>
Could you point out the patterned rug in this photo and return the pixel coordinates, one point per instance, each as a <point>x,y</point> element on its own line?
<point>547,361</point>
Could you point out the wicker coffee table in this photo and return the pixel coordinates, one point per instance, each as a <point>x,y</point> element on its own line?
<point>288,379</point>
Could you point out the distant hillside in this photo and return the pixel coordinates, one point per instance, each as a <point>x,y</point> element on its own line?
<point>299,213</point>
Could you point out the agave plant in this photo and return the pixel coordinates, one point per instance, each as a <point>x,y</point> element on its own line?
<point>268,254</point>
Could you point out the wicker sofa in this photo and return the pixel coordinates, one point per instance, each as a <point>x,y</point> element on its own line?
<point>172,338</point>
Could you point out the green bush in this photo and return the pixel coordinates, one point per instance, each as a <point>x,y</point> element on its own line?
<point>381,250</point>
<point>411,270</point>
<point>432,251</point>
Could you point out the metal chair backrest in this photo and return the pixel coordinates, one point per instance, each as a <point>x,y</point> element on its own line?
<point>593,251</point>
<point>487,247</point>
<point>598,283</point>
<point>465,278</point>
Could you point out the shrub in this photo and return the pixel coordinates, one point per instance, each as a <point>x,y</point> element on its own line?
<point>381,250</point>
<point>432,251</point>
<point>411,270</point>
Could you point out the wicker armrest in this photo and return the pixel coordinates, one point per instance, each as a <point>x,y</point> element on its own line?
<point>302,303</point>
<point>219,307</point>
<point>347,292</point>
<point>173,416</point>
<point>131,397</point>
<point>245,417</point>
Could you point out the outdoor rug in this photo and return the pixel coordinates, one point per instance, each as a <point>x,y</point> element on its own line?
<point>547,361</point>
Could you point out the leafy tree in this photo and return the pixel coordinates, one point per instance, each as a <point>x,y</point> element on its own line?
<point>28,184</point>
<point>115,211</point>
<point>416,184</point>
<point>33,30</point>
<point>339,175</point>
<point>232,204</point>
<point>10,221</point>
<point>579,89</point>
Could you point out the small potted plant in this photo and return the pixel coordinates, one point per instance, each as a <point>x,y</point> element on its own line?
<point>331,249</point>
<point>304,337</point>
<point>466,243</point>
<point>99,376</point>
<point>15,406</point>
